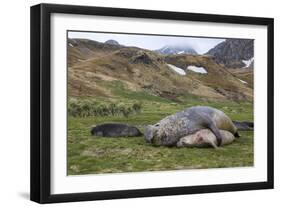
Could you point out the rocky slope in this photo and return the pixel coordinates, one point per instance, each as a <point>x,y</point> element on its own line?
<point>234,53</point>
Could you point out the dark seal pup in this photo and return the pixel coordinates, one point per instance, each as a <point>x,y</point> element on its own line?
<point>115,130</point>
<point>168,131</point>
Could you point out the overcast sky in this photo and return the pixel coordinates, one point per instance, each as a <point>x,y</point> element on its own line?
<point>151,42</point>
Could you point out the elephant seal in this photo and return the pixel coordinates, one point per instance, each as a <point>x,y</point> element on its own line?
<point>115,130</point>
<point>244,125</point>
<point>205,138</point>
<point>169,130</point>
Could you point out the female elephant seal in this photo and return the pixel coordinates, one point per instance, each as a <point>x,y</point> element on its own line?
<point>205,138</point>
<point>169,130</point>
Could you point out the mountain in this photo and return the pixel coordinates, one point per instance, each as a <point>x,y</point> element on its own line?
<point>97,69</point>
<point>111,42</point>
<point>234,53</point>
<point>177,49</point>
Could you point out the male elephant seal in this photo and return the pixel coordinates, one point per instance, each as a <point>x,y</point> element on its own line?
<point>115,130</point>
<point>169,130</point>
<point>205,138</point>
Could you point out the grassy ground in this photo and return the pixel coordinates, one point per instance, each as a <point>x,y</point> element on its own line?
<point>90,155</point>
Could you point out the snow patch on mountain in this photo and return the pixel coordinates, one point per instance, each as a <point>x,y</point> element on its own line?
<point>242,81</point>
<point>196,69</point>
<point>248,62</point>
<point>178,70</point>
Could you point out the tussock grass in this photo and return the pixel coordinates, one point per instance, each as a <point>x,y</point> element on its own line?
<point>90,107</point>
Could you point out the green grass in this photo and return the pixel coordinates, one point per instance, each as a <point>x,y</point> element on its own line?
<point>89,155</point>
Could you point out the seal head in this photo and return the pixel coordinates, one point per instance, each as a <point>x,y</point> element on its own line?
<point>150,132</point>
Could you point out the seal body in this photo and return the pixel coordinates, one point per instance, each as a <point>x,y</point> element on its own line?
<point>205,138</point>
<point>169,130</point>
<point>115,130</point>
<point>244,125</point>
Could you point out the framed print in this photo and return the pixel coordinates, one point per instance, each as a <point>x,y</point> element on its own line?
<point>132,103</point>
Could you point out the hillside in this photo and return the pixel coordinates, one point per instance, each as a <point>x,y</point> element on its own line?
<point>80,50</point>
<point>243,74</point>
<point>104,70</point>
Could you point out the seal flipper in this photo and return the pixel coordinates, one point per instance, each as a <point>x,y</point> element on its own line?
<point>213,145</point>
<point>209,123</point>
<point>237,135</point>
<point>216,131</point>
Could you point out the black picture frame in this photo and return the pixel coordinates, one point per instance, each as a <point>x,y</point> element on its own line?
<point>41,98</point>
